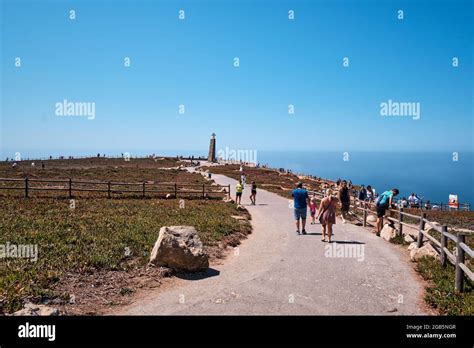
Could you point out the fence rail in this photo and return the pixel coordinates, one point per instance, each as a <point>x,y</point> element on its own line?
<point>110,187</point>
<point>457,258</point>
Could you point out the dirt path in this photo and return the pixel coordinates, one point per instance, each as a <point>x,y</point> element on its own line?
<point>276,271</point>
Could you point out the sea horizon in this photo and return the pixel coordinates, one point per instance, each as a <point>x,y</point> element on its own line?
<point>432,175</point>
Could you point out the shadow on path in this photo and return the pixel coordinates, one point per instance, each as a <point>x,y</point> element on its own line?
<point>210,272</point>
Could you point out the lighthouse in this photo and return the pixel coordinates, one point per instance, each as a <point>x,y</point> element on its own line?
<point>211,157</point>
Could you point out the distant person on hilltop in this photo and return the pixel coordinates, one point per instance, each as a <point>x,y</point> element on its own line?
<point>384,202</point>
<point>300,203</point>
<point>345,200</point>
<point>239,188</point>
<point>327,214</point>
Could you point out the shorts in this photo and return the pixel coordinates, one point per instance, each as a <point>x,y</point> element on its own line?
<point>345,206</point>
<point>239,194</point>
<point>300,213</point>
<point>254,192</point>
<point>381,210</point>
<point>313,213</point>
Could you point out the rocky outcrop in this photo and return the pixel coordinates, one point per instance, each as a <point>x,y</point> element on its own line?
<point>426,250</point>
<point>31,309</point>
<point>388,232</point>
<point>179,248</point>
<point>371,218</point>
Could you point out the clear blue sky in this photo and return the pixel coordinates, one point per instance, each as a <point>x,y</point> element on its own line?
<point>190,62</point>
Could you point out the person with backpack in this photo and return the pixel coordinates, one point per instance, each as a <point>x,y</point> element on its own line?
<point>384,202</point>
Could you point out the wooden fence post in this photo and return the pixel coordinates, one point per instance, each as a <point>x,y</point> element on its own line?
<point>400,220</point>
<point>228,191</point>
<point>444,244</point>
<point>364,222</point>
<point>108,190</point>
<point>459,259</point>
<point>421,228</point>
<point>26,187</point>
<point>203,191</point>
<point>144,183</point>
<point>70,188</point>
<point>175,191</point>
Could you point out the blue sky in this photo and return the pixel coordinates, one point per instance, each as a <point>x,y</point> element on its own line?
<point>190,62</point>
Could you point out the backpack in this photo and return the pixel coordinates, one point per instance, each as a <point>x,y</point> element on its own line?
<point>379,199</point>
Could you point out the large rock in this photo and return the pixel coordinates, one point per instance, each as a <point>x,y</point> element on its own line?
<point>371,218</point>
<point>408,238</point>
<point>388,232</point>
<point>31,309</point>
<point>180,248</point>
<point>425,250</point>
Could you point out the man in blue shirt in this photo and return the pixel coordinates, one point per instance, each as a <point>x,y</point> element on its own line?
<point>383,203</point>
<point>300,204</point>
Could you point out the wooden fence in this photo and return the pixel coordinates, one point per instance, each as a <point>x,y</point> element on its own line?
<point>70,186</point>
<point>418,224</point>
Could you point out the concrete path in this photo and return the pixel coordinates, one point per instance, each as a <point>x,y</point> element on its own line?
<point>276,271</point>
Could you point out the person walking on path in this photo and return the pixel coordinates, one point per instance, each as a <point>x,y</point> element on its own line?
<point>384,201</point>
<point>313,204</point>
<point>243,179</point>
<point>253,194</point>
<point>345,200</point>
<point>239,188</point>
<point>300,205</point>
<point>327,215</point>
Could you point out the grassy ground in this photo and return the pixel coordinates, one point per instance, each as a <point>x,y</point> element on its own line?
<point>94,237</point>
<point>440,294</point>
<point>267,179</point>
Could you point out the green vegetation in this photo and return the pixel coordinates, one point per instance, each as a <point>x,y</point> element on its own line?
<point>440,294</point>
<point>97,234</point>
<point>267,179</point>
<point>94,236</point>
<point>399,239</point>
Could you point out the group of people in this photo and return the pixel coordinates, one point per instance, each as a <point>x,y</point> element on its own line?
<point>326,213</point>
<point>239,189</point>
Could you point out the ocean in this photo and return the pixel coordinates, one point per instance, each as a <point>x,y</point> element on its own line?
<point>432,175</point>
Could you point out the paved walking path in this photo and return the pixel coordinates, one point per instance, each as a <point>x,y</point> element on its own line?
<point>275,271</point>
